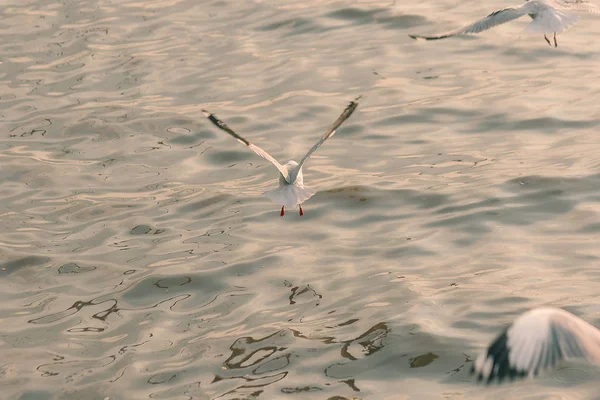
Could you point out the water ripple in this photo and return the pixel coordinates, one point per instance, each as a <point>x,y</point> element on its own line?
<point>139,259</point>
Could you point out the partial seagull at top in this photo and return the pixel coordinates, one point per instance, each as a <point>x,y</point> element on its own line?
<point>547,17</point>
<point>538,340</point>
<point>291,191</point>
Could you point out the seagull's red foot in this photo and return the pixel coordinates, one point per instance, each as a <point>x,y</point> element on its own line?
<point>547,40</point>
<point>555,43</point>
<point>282,212</point>
<point>301,213</point>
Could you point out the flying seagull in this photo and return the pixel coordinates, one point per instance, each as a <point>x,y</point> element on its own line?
<point>291,190</point>
<point>547,17</point>
<point>537,341</point>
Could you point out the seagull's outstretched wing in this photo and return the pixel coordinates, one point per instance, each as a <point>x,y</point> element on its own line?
<point>574,5</point>
<point>221,125</point>
<point>537,341</point>
<point>330,132</point>
<point>495,18</point>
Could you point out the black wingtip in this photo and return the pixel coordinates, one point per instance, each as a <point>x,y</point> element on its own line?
<point>498,353</point>
<point>417,37</point>
<point>478,375</point>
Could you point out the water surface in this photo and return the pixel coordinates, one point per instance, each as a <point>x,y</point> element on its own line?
<point>139,259</point>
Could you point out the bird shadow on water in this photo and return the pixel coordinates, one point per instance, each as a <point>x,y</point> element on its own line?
<point>310,327</point>
<point>257,362</point>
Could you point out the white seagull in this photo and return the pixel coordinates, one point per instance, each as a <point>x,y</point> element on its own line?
<point>547,17</point>
<point>291,191</point>
<point>537,341</point>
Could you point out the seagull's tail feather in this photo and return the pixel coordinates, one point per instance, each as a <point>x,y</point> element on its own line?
<point>290,195</point>
<point>550,21</point>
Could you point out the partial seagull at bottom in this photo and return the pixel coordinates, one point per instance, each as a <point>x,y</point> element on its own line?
<point>537,341</point>
<point>291,191</point>
<point>548,17</point>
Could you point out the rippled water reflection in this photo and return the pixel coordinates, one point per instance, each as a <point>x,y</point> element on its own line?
<point>139,260</point>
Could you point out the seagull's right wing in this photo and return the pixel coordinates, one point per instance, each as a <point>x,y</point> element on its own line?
<point>537,341</point>
<point>330,132</point>
<point>495,18</point>
<point>221,125</point>
<point>575,5</point>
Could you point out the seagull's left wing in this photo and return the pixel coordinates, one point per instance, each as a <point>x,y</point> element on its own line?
<point>221,125</point>
<point>495,18</point>
<point>330,132</point>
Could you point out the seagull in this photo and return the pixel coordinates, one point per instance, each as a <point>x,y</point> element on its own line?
<point>291,191</point>
<point>547,17</point>
<point>537,341</point>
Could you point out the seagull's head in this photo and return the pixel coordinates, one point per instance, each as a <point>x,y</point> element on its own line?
<point>292,168</point>
<point>291,165</point>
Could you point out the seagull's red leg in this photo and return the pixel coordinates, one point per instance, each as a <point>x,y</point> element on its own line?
<point>282,212</point>
<point>547,40</point>
<point>555,44</point>
<point>301,213</point>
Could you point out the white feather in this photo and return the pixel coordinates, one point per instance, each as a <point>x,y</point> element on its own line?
<point>290,194</point>
<point>291,191</point>
<point>537,341</point>
<point>547,17</point>
<point>551,21</point>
